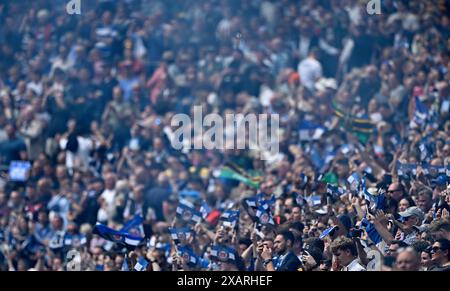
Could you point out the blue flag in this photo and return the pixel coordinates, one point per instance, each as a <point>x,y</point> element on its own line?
<point>230,218</point>
<point>406,170</point>
<point>420,114</point>
<point>222,254</point>
<point>299,199</point>
<point>178,234</point>
<point>335,190</point>
<point>303,181</point>
<point>117,236</point>
<point>371,231</point>
<point>141,264</point>
<point>252,201</point>
<point>263,201</point>
<point>18,171</point>
<point>205,210</point>
<point>327,232</point>
<point>314,200</point>
<point>367,195</point>
<point>188,255</point>
<point>125,267</point>
<point>264,216</point>
<point>134,226</point>
<point>354,180</point>
<point>309,131</point>
<point>187,193</point>
<point>187,213</point>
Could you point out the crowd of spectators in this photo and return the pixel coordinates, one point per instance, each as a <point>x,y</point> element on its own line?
<point>86,103</point>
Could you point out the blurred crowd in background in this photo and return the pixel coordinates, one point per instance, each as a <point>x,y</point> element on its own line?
<point>90,181</point>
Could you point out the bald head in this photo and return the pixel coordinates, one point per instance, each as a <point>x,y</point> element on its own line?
<point>407,260</point>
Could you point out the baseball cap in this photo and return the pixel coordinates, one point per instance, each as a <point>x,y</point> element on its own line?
<point>413,211</point>
<point>441,180</point>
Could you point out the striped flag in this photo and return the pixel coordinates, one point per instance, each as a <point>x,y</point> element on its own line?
<point>134,226</point>
<point>362,128</point>
<point>406,169</point>
<point>116,236</point>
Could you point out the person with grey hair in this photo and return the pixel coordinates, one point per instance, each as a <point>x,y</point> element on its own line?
<point>407,260</point>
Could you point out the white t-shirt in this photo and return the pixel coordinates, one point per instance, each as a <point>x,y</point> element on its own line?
<point>310,70</point>
<point>109,196</point>
<point>355,266</point>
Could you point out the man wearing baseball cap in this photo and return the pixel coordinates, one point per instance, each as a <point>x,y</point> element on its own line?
<point>412,219</point>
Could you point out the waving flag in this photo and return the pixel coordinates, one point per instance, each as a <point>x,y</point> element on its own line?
<point>309,131</point>
<point>134,226</point>
<point>314,200</point>
<point>187,212</point>
<point>299,199</point>
<point>260,200</point>
<point>18,171</point>
<point>233,172</point>
<point>230,218</point>
<point>117,236</point>
<point>252,201</point>
<point>354,180</point>
<point>424,153</point>
<point>406,170</point>
<point>205,210</point>
<point>125,266</point>
<point>374,236</point>
<point>362,128</point>
<point>269,202</point>
<point>187,193</point>
<point>264,216</point>
<point>188,255</point>
<point>327,231</point>
<point>178,234</point>
<point>433,171</point>
<point>141,264</point>
<point>335,190</point>
<point>303,181</point>
<point>365,193</point>
<point>222,254</point>
<point>419,119</point>
<point>160,246</point>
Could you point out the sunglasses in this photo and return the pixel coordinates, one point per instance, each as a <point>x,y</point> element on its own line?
<point>435,249</point>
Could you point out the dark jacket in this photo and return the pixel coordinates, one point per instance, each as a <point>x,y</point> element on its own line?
<point>289,263</point>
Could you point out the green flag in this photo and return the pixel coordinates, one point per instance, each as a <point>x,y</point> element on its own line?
<point>228,173</point>
<point>330,178</point>
<point>361,128</point>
